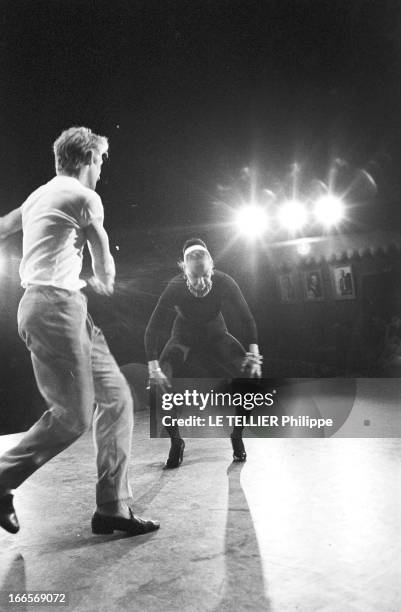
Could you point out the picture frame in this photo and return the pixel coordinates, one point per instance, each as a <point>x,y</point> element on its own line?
<point>313,285</point>
<point>343,282</point>
<point>287,287</point>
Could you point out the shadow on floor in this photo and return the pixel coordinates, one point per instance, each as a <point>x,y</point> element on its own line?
<point>243,583</point>
<point>14,580</point>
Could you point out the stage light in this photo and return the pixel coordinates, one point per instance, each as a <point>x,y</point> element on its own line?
<point>303,248</point>
<point>293,215</point>
<point>251,220</point>
<point>329,210</point>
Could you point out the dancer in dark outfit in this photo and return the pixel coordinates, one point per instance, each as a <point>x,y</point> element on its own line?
<point>190,308</point>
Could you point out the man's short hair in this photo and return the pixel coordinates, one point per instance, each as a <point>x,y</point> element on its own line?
<point>71,148</point>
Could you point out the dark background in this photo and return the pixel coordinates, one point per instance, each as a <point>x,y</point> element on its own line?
<point>190,93</point>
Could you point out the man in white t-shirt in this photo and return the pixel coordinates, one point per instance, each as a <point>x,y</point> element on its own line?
<point>74,369</point>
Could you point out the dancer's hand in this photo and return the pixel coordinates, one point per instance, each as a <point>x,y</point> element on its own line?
<point>99,287</point>
<point>158,378</point>
<point>252,365</point>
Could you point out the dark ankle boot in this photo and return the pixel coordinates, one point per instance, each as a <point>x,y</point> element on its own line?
<point>239,453</point>
<point>176,454</point>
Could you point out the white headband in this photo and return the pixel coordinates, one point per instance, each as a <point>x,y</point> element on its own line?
<point>195,247</point>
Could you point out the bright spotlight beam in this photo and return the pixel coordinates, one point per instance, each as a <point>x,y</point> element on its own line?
<point>251,221</point>
<point>293,215</point>
<point>329,210</point>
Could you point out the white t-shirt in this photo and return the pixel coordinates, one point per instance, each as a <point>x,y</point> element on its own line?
<point>53,220</point>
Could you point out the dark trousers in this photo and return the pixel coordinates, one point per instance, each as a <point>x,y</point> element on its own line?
<point>218,358</point>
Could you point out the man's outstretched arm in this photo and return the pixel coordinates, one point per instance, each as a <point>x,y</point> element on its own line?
<point>10,223</point>
<point>102,260</point>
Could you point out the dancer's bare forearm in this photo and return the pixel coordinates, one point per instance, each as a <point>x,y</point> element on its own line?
<point>102,260</point>
<point>10,223</point>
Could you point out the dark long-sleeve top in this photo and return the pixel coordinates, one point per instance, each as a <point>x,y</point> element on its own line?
<point>193,320</point>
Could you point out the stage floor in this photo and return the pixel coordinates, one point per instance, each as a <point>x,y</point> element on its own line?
<point>304,525</point>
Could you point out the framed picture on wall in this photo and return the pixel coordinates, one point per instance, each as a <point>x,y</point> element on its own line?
<point>313,285</point>
<point>287,287</point>
<point>343,282</point>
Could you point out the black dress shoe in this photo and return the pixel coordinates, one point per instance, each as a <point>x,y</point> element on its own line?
<point>8,517</point>
<point>176,454</point>
<point>239,449</point>
<point>135,525</point>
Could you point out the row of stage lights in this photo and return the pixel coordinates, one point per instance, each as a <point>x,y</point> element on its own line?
<point>253,220</point>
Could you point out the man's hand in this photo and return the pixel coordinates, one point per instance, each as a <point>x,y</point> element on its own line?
<point>252,365</point>
<point>157,377</point>
<point>99,287</point>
